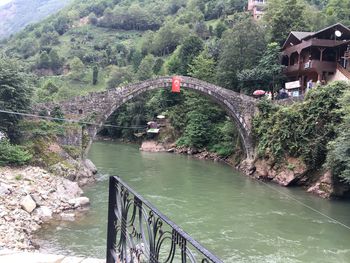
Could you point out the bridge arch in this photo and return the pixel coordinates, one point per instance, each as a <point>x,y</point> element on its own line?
<point>99,106</point>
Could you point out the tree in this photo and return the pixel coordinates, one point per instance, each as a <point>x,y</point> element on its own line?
<point>145,70</point>
<point>119,76</point>
<point>158,66</point>
<point>44,61</point>
<point>135,57</point>
<point>285,16</point>
<point>268,72</point>
<point>173,64</point>
<point>241,48</point>
<point>168,37</point>
<point>50,87</point>
<point>338,11</point>
<point>29,47</point>
<point>201,30</point>
<point>203,67</point>
<point>94,75</point>
<point>61,25</point>
<point>77,68</point>
<point>15,94</point>
<point>220,29</point>
<point>47,91</point>
<point>49,39</point>
<point>198,130</point>
<point>55,61</point>
<point>190,48</point>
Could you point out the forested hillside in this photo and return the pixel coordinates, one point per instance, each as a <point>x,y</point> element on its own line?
<point>102,44</point>
<point>15,15</point>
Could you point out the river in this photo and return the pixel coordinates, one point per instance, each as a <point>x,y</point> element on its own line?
<point>237,218</point>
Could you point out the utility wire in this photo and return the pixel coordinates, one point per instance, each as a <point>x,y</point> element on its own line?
<point>307,206</point>
<point>70,120</point>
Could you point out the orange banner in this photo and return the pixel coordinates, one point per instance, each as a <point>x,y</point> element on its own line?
<point>176,84</point>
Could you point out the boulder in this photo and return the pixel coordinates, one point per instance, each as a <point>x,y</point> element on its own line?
<point>291,172</point>
<point>90,166</point>
<point>79,202</point>
<point>152,146</point>
<point>68,190</point>
<point>67,216</point>
<point>4,189</point>
<point>44,212</point>
<point>326,187</point>
<point>28,204</point>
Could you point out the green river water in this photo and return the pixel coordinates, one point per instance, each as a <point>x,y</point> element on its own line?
<point>237,218</point>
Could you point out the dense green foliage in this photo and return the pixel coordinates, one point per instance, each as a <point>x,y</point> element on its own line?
<point>338,159</point>
<point>241,48</point>
<point>13,154</point>
<point>303,129</point>
<point>15,92</point>
<point>267,73</point>
<point>285,17</point>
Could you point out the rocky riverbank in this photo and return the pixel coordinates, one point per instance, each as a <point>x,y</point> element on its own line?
<point>31,196</point>
<point>292,172</point>
<point>203,154</point>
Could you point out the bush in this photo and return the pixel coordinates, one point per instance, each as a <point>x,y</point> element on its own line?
<point>300,130</point>
<point>13,154</point>
<point>338,158</point>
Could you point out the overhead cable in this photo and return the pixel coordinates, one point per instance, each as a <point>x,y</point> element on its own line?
<point>70,120</point>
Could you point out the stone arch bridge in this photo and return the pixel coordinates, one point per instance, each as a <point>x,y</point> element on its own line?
<point>97,107</point>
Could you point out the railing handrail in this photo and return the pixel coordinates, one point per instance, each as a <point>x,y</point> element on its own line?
<point>165,219</point>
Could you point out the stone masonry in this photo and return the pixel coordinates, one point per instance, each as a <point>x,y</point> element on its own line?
<point>97,107</point>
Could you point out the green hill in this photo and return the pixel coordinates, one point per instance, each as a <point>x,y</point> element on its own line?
<point>94,45</point>
<point>17,14</point>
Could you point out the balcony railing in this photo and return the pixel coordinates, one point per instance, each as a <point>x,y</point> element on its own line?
<point>138,232</point>
<point>314,64</point>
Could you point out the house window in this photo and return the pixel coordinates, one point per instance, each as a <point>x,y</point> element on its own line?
<point>80,111</point>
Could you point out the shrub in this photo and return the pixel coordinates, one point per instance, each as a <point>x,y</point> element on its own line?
<point>13,154</point>
<point>302,129</point>
<point>338,159</point>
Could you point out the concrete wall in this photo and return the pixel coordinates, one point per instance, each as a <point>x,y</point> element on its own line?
<point>338,76</point>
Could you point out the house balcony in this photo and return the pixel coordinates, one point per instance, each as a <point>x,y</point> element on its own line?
<point>312,65</point>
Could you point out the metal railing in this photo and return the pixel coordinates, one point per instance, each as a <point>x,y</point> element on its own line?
<point>137,232</point>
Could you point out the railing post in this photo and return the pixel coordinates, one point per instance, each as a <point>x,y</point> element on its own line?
<point>112,218</point>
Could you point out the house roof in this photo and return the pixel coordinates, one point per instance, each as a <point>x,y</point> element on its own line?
<point>329,32</point>
<point>296,37</point>
<point>300,35</point>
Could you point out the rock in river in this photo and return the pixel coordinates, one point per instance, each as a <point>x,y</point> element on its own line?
<point>28,204</point>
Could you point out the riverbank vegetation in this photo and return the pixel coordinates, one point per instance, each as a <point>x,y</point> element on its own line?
<point>313,130</point>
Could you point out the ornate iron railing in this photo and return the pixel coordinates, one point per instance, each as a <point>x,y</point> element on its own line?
<point>138,232</point>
